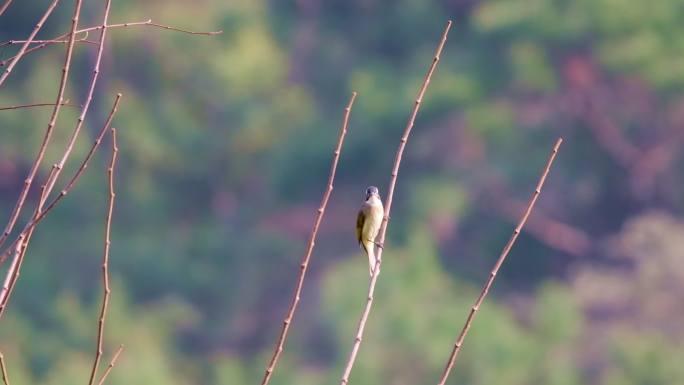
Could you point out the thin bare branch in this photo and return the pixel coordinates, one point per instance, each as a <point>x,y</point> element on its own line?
<point>309,250</point>
<point>37,28</point>
<point>64,103</point>
<point>4,6</point>
<point>48,132</point>
<point>497,265</point>
<point>105,260</point>
<point>60,39</point>
<point>72,181</point>
<point>388,205</point>
<point>57,168</point>
<point>111,365</point>
<point>5,376</point>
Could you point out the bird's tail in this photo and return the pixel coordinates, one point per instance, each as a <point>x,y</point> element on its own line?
<point>368,247</point>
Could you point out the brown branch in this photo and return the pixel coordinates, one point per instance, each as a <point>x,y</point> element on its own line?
<point>72,181</point>
<point>57,168</point>
<point>388,206</point>
<point>48,132</point>
<point>309,250</point>
<point>497,265</point>
<point>5,376</point>
<point>105,258</point>
<point>4,6</point>
<point>37,28</point>
<point>111,365</point>
<point>64,103</point>
<point>60,39</point>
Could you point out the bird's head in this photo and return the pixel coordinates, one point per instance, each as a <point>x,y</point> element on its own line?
<point>372,191</point>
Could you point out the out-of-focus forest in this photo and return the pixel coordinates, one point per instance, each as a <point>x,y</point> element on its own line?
<point>225,145</point>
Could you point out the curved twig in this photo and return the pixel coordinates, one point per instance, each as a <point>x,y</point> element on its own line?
<point>309,250</point>
<point>388,206</point>
<point>497,265</point>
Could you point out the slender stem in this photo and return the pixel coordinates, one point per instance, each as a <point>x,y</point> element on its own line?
<point>23,48</point>
<point>111,365</point>
<point>72,181</point>
<point>5,376</point>
<point>287,322</point>
<point>497,265</point>
<point>388,206</point>
<point>48,132</point>
<point>105,261</point>
<point>64,103</point>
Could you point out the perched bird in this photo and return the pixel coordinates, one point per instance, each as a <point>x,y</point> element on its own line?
<point>368,224</point>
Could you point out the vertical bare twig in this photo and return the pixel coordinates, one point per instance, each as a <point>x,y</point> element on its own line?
<point>497,265</point>
<point>388,205</point>
<point>48,132</point>
<point>5,376</point>
<point>105,260</point>
<point>22,50</point>
<point>111,365</point>
<point>309,250</point>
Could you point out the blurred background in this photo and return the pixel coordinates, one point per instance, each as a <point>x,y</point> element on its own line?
<point>225,145</point>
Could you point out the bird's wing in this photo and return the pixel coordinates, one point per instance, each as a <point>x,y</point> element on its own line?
<point>360,219</point>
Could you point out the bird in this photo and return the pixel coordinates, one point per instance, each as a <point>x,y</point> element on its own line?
<point>368,224</point>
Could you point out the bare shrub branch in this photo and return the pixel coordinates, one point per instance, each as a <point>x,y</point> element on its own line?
<point>287,322</point>
<point>48,132</point>
<point>388,205</point>
<point>497,265</point>
<point>105,260</point>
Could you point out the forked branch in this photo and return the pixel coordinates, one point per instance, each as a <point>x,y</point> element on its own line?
<point>287,322</point>
<point>497,265</point>
<point>388,206</point>
<point>111,365</point>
